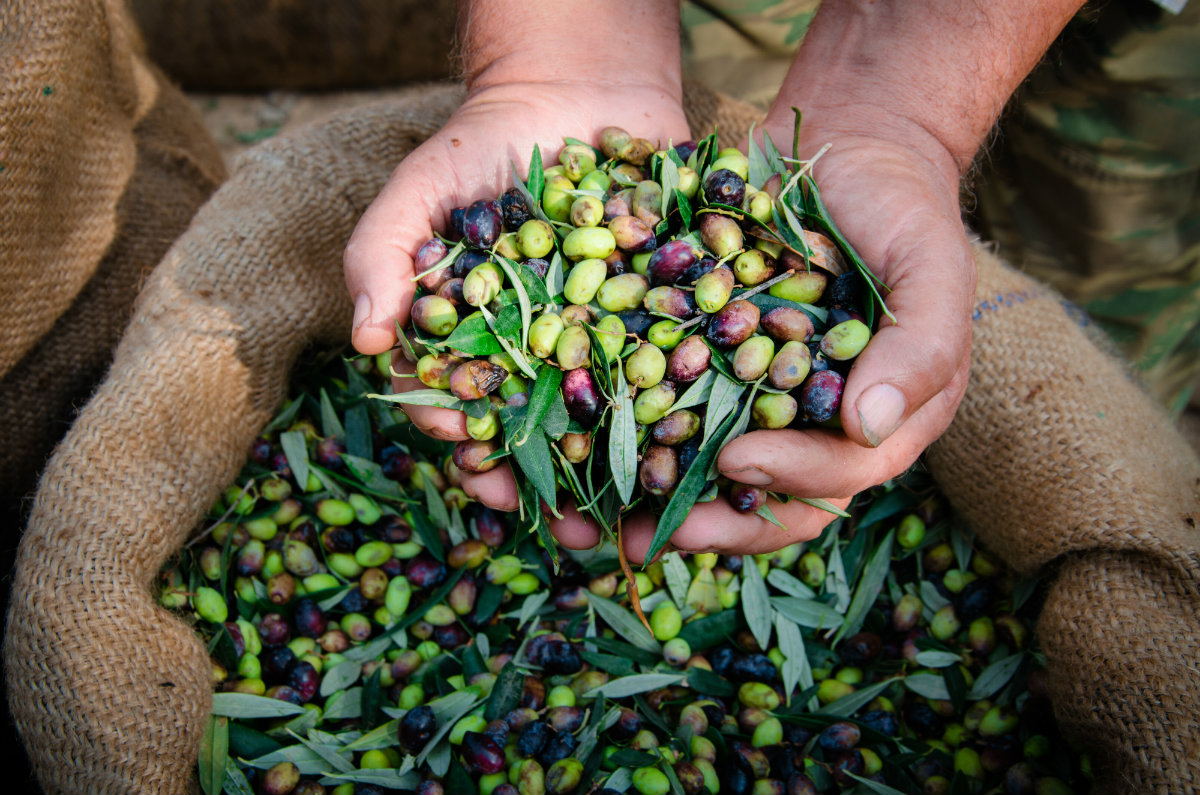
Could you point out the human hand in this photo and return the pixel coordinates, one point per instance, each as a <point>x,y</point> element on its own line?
<point>467,160</point>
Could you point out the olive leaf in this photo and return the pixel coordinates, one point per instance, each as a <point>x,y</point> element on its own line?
<point>473,336</point>
<point>697,393</point>
<point>632,685</point>
<point>869,586</point>
<point>214,755</point>
<point>330,424</point>
<point>537,177</point>
<point>807,612</point>
<point>511,269</point>
<point>248,706</point>
<point>928,685</point>
<point>541,397</point>
<point>759,168</point>
<point>756,605</point>
<point>517,356</point>
<point>295,450</point>
<point>624,623</point>
<point>622,443</point>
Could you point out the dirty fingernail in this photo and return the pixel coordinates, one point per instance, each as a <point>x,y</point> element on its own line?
<point>880,410</point>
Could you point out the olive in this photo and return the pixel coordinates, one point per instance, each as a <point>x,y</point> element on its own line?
<point>790,366</point>
<point>471,455</point>
<point>622,292</point>
<point>416,728</point>
<point>514,209</point>
<point>676,428</point>
<point>610,331</point>
<point>574,348</point>
<point>585,279</point>
<point>714,288</point>
<point>476,378</point>
<point>428,255</point>
<point>845,340</point>
<point>821,396</point>
<point>646,366</point>
<point>631,234</point>
<point>787,324</point>
<point>733,324</point>
<point>720,234</point>
<point>544,332</point>
<point>647,202</point>
<point>582,397</point>
<point>653,403</point>
<point>434,315</point>
<point>773,411</point>
<point>724,186</point>
<point>689,360</point>
<point>535,238</point>
<point>803,287</point>
<point>753,357</point>
<point>753,267</point>
<point>670,260</point>
<point>483,223</point>
<point>667,300</point>
<point>587,243</point>
<point>746,498</point>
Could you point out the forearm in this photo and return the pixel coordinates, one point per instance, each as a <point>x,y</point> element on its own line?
<point>610,43</point>
<point>934,74</point>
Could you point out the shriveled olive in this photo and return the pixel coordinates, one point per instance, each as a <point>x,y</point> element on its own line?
<point>473,379</point>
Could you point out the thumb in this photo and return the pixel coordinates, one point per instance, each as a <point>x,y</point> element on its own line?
<point>914,357</point>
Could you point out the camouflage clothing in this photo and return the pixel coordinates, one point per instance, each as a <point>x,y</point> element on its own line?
<point>1092,182</point>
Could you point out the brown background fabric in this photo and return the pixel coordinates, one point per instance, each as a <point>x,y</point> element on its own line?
<point>1061,463</point>
<point>1057,459</point>
<point>244,45</point>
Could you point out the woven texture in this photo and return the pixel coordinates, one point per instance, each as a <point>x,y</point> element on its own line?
<point>110,692</point>
<point>1056,456</point>
<point>244,45</point>
<point>102,166</point>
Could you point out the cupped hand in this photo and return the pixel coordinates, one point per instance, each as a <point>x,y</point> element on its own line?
<point>469,159</point>
<point>897,204</point>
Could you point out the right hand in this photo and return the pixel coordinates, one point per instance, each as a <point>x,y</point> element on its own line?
<point>468,159</point>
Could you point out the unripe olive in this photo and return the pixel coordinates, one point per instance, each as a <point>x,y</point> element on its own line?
<point>676,428</point>
<point>689,182</point>
<point>689,360</point>
<point>622,292</point>
<point>767,733</point>
<point>665,621</point>
<point>434,315</point>
<point>720,234</point>
<point>482,284</point>
<point>759,696</point>
<point>758,205</point>
<point>507,247</point>
<point>713,290</point>
<point>811,569</point>
<point>646,366</point>
<point>651,781</point>
<point>433,369</point>
<point>647,202</point>
<point>677,651</point>
<point>210,605</point>
<point>753,267</point>
<point>535,238</point>
<point>610,330</point>
<point>543,334</point>
<point>595,180</point>
<point>944,624</point>
<point>753,357</point>
<point>485,427</point>
<point>659,470</point>
<point>733,324</point>
<point>576,447</point>
<point>653,403</point>
<point>803,287</point>
<point>585,279</point>
<point>733,160</point>
<point>790,366</point>
<point>512,385</point>
<point>574,348</point>
<point>612,141</point>
<point>631,234</point>
<point>845,340</point>
<point>665,335</point>
<point>588,242</point>
<point>577,160</point>
<point>787,324</point>
<point>907,612</point>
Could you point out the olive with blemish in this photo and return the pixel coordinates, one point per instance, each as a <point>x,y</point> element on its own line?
<point>697,269</point>
<point>622,292</point>
<point>434,315</point>
<point>689,360</point>
<point>416,728</point>
<point>428,255</point>
<point>790,366</point>
<point>576,447</point>
<point>471,455</point>
<point>647,202</point>
<point>724,186</point>
<point>714,288</point>
<point>631,234</point>
<point>733,324</point>
<point>618,262</point>
<point>821,396</point>
<point>581,396</point>
<point>676,428</point>
<point>659,470</point>
<point>476,378</point>
<point>753,267</point>
<point>560,746</point>
<point>514,209</point>
<point>618,206</point>
<point>720,234</point>
<point>481,753</point>
<point>482,284</point>
<point>752,358</point>
<point>670,260</point>
<point>746,498</point>
<point>483,223</point>
<point>667,300</point>
<point>577,160</point>
<point>773,411</point>
<point>452,291</point>
<point>845,340</point>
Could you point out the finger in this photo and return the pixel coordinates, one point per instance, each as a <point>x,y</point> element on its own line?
<point>444,424</point>
<point>574,530</point>
<point>818,463</point>
<point>378,261</point>
<point>495,489</point>
<point>932,280</point>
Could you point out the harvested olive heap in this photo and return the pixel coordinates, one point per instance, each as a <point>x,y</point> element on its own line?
<point>372,630</point>
<point>610,323</point>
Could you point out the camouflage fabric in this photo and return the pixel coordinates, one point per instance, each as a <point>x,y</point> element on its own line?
<point>1091,183</point>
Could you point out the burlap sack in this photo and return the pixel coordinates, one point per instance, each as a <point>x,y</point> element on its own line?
<point>110,692</point>
<point>102,165</point>
<point>247,45</point>
<point>1057,458</point>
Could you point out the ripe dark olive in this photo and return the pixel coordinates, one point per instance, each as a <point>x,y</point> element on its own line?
<point>821,395</point>
<point>581,396</point>
<point>747,499</point>
<point>725,187</point>
<point>533,738</point>
<point>416,727</point>
<point>308,618</point>
<point>840,736</point>
<point>304,679</point>
<point>467,261</point>
<point>670,261</point>
<point>483,223</point>
<point>424,572</point>
<point>735,323</point>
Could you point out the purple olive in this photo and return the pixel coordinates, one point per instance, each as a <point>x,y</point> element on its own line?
<point>416,728</point>
<point>787,324</point>
<point>669,262</point>
<point>659,470</point>
<point>274,630</point>
<point>533,738</point>
<point>451,636</point>
<point>308,618</point>
<point>538,265</point>
<point>397,464</point>
<point>304,679</point>
<point>725,187</point>
<point>733,324</point>
<point>631,234</point>
<point>458,217</point>
<point>747,499</point>
<point>581,397</point>
<point>424,572</point>
<point>668,300</point>
<point>488,526</point>
<point>821,396</point>
<point>429,254</point>
<point>467,262</point>
<point>689,360</point>
<point>840,736</point>
<point>483,223</point>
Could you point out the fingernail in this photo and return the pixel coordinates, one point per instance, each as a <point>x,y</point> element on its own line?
<point>362,310</point>
<point>880,410</point>
<point>750,475</point>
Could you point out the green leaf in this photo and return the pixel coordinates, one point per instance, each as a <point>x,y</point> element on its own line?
<point>327,751</point>
<point>719,362</point>
<point>358,432</point>
<point>249,743</point>
<point>609,663</point>
<point>534,285</point>
<point>537,177</point>
<point>556,419</point>
<point>542,396</point>
<point>704,633</point>
<point>869,586</point>
<point>601,366</point>
<point>796,668</point>
<point>928,685</point>
<point>554,275</point>
<point>382,736</point>
<point>622,443</point>
<point>766,302</point>
<point>709,683</point>
<point>330,423</point>
<point>532,455</point>
<point>506,692</point>
<point>295,449</point>
<point>690,485</point>
<point>632,685</point>
<point>995,676</point>
<point>372,699</point>
<point>669,179</point>
<point>381,777</point>
<point>937,659</point>
<point>756,605</point>
<point>774,157</point>
<point>235,780</point>
<point>435,506</point>
<point>518,357</point>
<point>627,650</point>
<point>760,168</point>
<point>284,418</point>
<point>835,580</point>
<point>685,208</point>
<point>677,577</point>
<point>440,398</point>
<point>447,710</point>
<point>847,705</point>
<point>473,336</point>
<point>888,504</point>
<point>792,237</point>
<point>960,542</point>
<point>340,677</point>
<point>877,787</point>
<point>722,403</point>
<point>789,585</point>
<point>247,706</point>
<point>807,612</point>
<point>303,758</point>
<point>214,755</point>
<point>697,393</point>
<point>510,269</point>
<point>624,623</point>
